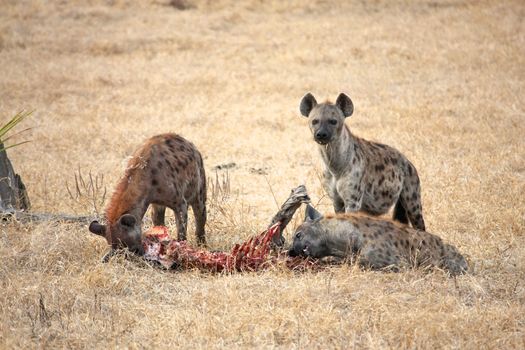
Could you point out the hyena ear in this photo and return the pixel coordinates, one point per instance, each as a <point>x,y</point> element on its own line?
<point>97,228</point>
<point>307,104</point>
<point>345,104</point>
<point>127,220</point>
<point>311,214</point>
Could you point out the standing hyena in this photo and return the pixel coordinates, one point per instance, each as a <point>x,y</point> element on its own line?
<point>373,242</point>
<point>166,171</point>
<point>359,174</point>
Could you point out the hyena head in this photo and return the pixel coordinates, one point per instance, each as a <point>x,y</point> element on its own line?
<point>125,233</point>
<point>326,120</point>
<point>309,238</point>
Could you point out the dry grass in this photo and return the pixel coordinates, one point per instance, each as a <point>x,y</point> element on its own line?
<point>443,81</point>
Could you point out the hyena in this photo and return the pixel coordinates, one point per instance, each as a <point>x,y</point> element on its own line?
<point>359,174</point>
<point>166,171</point>
<point>373,242</point>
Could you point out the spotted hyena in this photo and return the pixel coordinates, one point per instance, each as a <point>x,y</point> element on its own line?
<point>166,171</point>
<point>373,242</point>
<point>360,174</point>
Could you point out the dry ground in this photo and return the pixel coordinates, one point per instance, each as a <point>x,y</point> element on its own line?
<point>443,81</point>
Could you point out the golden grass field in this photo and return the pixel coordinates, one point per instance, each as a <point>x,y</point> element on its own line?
<point>442,81</point>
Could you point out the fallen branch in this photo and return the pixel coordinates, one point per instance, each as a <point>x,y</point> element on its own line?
<point>27,217</point>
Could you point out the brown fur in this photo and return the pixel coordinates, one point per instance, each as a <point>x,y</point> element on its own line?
<point>166,171</point>
<point>124,194</point>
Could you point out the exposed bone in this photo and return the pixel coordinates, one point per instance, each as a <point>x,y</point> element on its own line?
<point>297,197</point>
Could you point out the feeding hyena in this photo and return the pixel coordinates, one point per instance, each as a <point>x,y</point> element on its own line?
<point>360,174</point>
<point>375,243</point>
<point>166,171</point>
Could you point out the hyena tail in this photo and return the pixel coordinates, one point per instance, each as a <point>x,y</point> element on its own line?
<point>400,213</point>
<point>453,261</point>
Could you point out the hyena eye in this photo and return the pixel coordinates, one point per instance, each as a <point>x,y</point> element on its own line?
<point>298,234</point>
<point>333,121</point>
<point>315,121</point>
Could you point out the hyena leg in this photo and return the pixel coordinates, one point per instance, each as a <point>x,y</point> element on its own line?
<point>339,204</point>
<point>158,214</point>
<point>329,185</point>
<point>453,261</point>
<point>199,212</point>
<point>108,255</point>
<point>400,213</point>
<point>410,198</point>
<point>181,215</point>
<point>351,191</point>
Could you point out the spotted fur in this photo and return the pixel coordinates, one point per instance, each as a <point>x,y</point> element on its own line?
<point>360,174</point>
<point>373,242</point>
<point>166,171</point>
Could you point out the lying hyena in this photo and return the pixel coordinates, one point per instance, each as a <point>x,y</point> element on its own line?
<point>373,242</point>
<point>166,171</point>
<point>359,174</point>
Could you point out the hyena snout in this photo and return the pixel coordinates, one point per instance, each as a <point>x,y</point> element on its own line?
<point>136,247</point>
<point>292,253</point>
<point>299,247</point>
<point>299,250</point>
<point>322,136</point>
<point>125,233</point>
